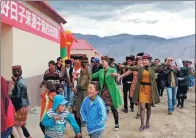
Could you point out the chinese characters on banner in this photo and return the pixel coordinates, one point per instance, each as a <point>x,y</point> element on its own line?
<point>16,15</point>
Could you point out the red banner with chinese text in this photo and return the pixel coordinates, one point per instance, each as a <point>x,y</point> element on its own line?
<point>18,16</point>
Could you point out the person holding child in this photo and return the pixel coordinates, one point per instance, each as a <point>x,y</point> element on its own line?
<point>93,111</point>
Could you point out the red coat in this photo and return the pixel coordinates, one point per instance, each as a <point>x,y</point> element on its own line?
<point>4,104</point>
<point>10,114</point>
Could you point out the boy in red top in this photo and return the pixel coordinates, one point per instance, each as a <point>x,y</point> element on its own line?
<point>47,98</point>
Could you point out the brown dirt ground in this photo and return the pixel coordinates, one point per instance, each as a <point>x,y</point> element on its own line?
<point>181,124</point>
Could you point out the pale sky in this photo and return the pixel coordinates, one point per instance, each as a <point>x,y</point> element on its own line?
<point>163,19</point>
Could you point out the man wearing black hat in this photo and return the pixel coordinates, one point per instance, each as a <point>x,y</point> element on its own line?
<point>127,81</point>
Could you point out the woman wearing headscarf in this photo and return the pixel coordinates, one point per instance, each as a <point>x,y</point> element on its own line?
<point>183,78</point>
<point>109,89</point>
<point>19,99</point>
<point>145,91</point>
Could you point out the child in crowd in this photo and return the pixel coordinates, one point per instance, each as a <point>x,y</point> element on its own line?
<point>59,89</point>
<point>47,99</point>
<point>55,120</point>
<point>93,111</point>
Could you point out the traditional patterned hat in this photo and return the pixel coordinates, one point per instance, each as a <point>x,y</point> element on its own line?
<point>16,67</point>
<point>146,56</point>
<point>17,70</point>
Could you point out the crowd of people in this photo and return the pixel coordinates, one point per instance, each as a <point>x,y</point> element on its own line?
<point>81,91</point>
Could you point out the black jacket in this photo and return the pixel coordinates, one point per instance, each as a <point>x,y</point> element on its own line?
<point>185,80</point>
<point>19,95</point>
<point>167,72</point>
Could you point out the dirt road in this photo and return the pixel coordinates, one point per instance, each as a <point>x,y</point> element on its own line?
<point>181,124</point>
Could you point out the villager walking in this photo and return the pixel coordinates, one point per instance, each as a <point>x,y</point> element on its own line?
<point>19,99</point>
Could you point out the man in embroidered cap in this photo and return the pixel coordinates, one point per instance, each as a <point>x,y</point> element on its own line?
<point>16,71</point>
<point>20,100</point>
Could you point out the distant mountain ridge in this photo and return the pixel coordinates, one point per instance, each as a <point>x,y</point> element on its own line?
<point>122,45</point>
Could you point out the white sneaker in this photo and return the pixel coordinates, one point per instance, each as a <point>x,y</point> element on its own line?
<point>116,128</point>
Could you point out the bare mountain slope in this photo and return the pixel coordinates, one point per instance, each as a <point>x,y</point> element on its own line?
<point>119,46</point>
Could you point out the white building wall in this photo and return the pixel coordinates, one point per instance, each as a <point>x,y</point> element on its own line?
<point>40,13</point>
<point>6,51</point>
<point>33,52</point>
